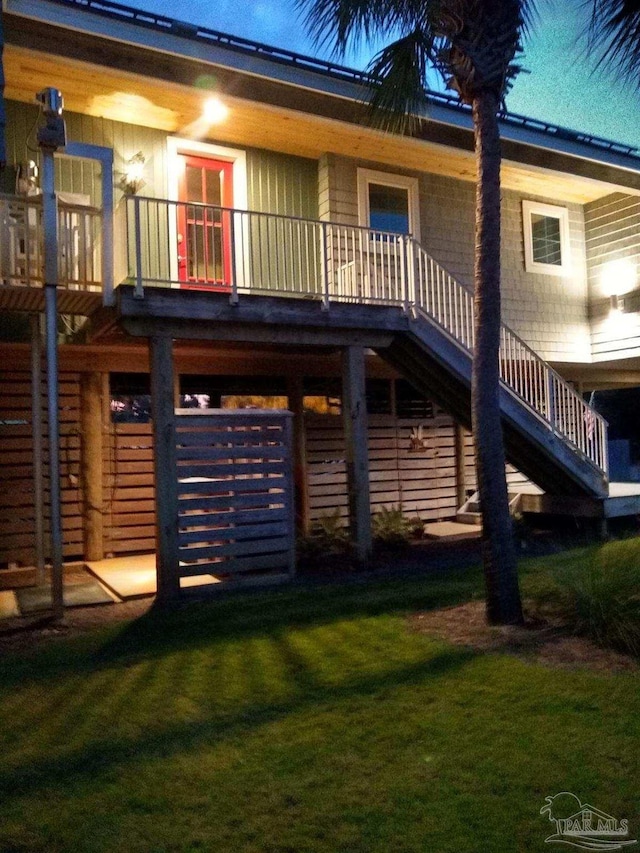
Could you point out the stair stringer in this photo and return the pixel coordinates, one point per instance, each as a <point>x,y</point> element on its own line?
<point>441,369</point>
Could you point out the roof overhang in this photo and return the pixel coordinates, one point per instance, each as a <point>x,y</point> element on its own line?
<point>272,105</point>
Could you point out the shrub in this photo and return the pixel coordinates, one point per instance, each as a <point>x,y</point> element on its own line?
<point>391,527</point>
<point>600,596</point>
<point>327,536</point>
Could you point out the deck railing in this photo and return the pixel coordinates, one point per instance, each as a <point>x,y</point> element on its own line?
<point>193,245</point>
<point>22,244</point>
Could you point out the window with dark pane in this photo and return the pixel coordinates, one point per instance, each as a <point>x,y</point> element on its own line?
<point>389,208</point>
<point>546,240</point>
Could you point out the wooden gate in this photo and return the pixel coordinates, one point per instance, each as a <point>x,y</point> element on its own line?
<point>235,502</point>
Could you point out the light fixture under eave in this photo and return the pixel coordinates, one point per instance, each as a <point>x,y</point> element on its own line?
<point>616,303</point>
<point>133,178</point>
<point>214,111</point>
<point>618,277</point>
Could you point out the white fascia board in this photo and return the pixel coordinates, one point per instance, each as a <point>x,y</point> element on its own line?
<point>263,66</point>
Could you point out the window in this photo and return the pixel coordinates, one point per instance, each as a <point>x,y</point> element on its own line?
<point>388,202</point>
<point>546,238</point>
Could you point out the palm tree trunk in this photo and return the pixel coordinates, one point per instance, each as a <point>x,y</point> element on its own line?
<point>3,144</point>
<point>498,549</point>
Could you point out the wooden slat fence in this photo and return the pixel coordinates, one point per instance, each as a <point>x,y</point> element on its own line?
<point>235,493</point>
<point>17,494</point>
<point>129,489</point>
<point>515,478</point>
<point>411,462</point>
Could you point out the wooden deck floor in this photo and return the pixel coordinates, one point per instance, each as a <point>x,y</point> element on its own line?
<point>623,500</point>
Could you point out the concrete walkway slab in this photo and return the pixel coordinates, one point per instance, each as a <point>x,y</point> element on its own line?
<point>451,530</point>
<point>8,605</point>
<point>83,594</point>
<point>135,576</point>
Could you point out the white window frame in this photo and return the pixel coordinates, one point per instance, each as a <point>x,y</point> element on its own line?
<point>176,147</point>
<point>556,212</point>
<point>387,179</point>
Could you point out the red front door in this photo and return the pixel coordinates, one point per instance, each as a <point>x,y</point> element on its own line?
<point>204,228</point>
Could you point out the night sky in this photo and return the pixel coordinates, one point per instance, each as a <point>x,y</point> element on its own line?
<point>561,88</point>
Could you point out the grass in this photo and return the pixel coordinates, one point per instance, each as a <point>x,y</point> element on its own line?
<point>304,720</point>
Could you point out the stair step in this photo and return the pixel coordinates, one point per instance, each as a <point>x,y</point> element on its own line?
<point>469,518</point>
<point>451,530</point>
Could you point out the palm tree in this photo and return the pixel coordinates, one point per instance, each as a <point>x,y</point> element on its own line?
<point>614,36</point>
<point>473,45</point>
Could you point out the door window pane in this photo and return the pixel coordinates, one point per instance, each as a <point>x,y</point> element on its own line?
<point>214,180</point>
<point>194,184</point>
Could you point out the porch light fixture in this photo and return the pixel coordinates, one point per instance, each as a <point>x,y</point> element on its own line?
<point>214,111</point>
<point>616,303</point>
<point>617,278</point>
<point>133,180</point>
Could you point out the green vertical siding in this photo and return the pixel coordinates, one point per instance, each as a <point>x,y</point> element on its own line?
<point>277,183</point>
<point>283,256</point>
<point>280,183</point>
<point>81,176</point>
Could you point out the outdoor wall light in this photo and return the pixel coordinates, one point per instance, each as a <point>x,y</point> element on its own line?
<point>133,180</point>
<point>617,278</point>
<point>616,303</point>
<point>214,111</point>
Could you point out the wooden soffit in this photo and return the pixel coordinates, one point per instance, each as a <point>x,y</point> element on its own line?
<point>136,98</point>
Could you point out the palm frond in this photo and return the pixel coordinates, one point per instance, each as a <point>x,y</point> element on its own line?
<point>614,35</point>
<point>341,24</point>
<point>399,97</point>
<point>470,43</point>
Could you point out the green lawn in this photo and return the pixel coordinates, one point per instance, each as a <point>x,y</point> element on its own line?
<point>304,720</point>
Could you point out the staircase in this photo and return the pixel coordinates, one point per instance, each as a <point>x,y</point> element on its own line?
<point>441,369</point>
<point>551,434</point>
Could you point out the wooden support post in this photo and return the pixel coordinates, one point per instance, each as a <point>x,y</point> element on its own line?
<point>91,466</point>
<point>295,394</point>
<point>165,468</point>
<point>461,490</point>
<point>176,390</point>
<point>354,413</point>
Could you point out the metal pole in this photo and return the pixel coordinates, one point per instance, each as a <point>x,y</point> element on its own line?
<point>50,222</point>
<point>36,425</point>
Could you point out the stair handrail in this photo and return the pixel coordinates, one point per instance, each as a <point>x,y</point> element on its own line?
<point>537,385</point>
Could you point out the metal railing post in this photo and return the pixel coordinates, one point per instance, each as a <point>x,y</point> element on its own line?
<point>325,266</point>
<point>233,298</point>
<point>139,289</point>
<point>404,278</point>
<point>551,401</point>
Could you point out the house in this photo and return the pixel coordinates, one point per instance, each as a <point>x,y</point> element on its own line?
<point>229,225</point>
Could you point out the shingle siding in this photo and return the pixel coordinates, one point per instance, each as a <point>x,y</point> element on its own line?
<point>549,312</point>
<point>612,233</point>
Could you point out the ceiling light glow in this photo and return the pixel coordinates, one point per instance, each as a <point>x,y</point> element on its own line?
<point>214,111</point>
